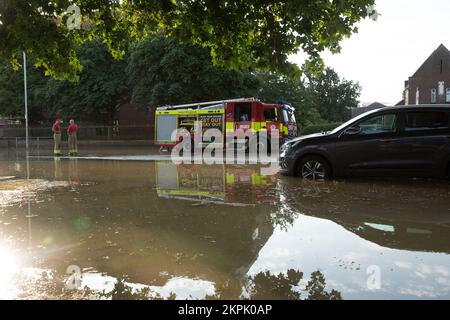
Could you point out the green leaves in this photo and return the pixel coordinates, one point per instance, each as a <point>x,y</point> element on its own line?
<point>161,71</point>
<point>333,97</point>
<point>164,71</point>
<point>238,34</point>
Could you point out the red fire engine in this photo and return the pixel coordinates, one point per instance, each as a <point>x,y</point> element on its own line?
<point>243,119</point>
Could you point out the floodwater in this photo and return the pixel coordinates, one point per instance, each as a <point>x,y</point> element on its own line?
<point>112,228</point>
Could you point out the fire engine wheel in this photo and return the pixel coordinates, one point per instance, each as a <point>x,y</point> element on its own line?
<point>313,168</point>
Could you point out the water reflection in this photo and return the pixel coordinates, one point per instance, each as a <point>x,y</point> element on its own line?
<point>266,286</point>
<point>232,185</point>
<point>166,229</point>
<point>397,214</point>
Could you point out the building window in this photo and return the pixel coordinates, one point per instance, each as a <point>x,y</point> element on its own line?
<point>417,96</point>
<point>433,95</point>
<point>441,86</point>
<point>447,98</point>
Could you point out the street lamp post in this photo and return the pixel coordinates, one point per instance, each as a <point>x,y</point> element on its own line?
<point>27,146</point>
<point>26,110</point>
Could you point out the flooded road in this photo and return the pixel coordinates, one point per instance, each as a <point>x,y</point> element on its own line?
<point>132,229</point>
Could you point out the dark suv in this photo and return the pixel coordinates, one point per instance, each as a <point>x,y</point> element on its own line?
<point>409,141</point>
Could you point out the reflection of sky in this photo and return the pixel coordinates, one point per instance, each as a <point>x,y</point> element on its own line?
<point>13,277</point>
<point>184,288</point>
<point>314,244</point>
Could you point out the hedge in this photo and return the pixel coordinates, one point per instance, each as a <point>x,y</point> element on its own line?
<point>320,128</point>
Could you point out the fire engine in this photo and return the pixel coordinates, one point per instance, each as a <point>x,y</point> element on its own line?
<point>244,119</point>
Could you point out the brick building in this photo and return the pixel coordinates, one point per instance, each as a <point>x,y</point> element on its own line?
<point>131,122</point>
<point>431,82</point>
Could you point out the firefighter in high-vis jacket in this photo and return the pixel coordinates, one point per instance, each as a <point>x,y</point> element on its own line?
<point>72,138</point>
<point>57,137</point>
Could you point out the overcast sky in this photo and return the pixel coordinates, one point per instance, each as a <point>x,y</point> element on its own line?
<point>383,54</point>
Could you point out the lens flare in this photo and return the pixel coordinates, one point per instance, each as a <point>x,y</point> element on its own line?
<point>8,268</point>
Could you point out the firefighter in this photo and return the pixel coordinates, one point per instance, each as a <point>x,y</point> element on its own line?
<point>57,137</point>
<point>72,138</point>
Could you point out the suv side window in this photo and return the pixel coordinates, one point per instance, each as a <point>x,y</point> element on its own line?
<point>426,120</point>
<point>385,123</point>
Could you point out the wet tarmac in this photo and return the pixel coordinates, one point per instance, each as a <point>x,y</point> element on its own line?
<point>93,228</point>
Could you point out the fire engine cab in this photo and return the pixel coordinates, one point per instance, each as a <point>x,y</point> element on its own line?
<point>243,119</point>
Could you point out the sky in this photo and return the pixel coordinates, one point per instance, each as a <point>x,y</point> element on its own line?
<point>383,54</point>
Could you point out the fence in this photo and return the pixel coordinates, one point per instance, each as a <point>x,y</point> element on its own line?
<point>84,133</point>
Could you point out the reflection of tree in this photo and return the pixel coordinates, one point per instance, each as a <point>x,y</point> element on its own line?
<point>48,285</point>
<point>123,291</point>
<point>316,288</point>
<point>262,286</point>
<point>265,286</point>
<point>283,218</point>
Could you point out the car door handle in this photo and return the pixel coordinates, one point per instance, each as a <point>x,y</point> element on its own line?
<point>388,140</point>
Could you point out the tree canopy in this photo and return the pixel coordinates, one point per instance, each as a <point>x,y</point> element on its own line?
<point>161,71</point>
<point>164,71</point>
<point>260,34</point>
<point>12,92</point>
<point>332,96</point>
<point>102,86</point>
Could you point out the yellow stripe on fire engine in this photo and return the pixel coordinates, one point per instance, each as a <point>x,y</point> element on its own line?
<point>259,180</point>
<point>189,112</point>
<point>256,127</point>
<point>178,192</point>
<point>230,179</point>
<point>229,126</point>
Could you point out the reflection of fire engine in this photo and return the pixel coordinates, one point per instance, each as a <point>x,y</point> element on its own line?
<point>218,183</point>
<point>246,183</point>
<point>241,118</point>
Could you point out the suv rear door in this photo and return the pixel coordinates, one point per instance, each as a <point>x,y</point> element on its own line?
<point>425,141</point>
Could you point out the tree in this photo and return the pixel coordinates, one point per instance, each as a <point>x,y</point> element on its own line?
<point>12,92</point>
<point>332,96</point>
<point>281,88</point>
<point>238,33</point>
<point>101,88</point>
<point>163,71</point>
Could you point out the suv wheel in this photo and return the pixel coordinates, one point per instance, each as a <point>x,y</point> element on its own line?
<point>313,168</point>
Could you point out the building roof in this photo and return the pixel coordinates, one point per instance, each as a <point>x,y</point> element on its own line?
<point>357,111</point>
<point>441,50</point>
